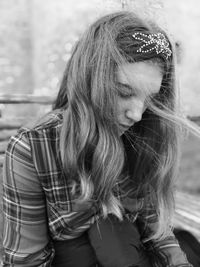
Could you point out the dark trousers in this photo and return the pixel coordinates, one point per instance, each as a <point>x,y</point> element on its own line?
<point>74,253</point>
<point>109,243</point>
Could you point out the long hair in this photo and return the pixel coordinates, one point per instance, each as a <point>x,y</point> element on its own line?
<point>92,152</point>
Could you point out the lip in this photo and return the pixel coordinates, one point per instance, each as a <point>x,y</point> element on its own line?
<point>125,127</point>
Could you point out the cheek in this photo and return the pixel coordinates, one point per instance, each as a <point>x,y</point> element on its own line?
<point>121,106</point>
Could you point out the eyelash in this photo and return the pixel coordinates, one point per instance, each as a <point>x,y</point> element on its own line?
<point>125,92</point>
<point>126,95</point>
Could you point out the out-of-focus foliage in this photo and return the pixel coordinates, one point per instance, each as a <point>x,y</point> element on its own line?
<point>15,46</point>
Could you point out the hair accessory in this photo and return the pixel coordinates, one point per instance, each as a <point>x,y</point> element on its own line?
<point>153,41</point>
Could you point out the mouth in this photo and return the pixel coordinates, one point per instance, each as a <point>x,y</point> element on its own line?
<point>124,128</point>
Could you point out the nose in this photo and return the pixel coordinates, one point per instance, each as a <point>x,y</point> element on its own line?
<point>135,110</point>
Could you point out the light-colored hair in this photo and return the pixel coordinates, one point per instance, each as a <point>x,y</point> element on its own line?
<point>92,152</point>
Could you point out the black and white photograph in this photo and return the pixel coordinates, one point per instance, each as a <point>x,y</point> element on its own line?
<point>99,133</point>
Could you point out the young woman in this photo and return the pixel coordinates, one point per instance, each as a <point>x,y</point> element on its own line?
<point>92,183</point>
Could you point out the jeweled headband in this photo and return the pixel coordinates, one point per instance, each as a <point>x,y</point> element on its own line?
<point>154,41</point>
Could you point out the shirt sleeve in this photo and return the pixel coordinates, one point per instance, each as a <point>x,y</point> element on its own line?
<point>25,236</point>
<point>166,252</point>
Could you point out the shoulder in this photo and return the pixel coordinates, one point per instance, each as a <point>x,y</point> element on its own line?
<point>39,142</point>
<point>34,135</point>
<point>49,121</point>
<point>48,125</point>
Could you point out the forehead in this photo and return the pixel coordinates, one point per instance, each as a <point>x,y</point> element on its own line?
<point>143,76</point>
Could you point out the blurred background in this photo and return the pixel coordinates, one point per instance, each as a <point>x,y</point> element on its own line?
<point>36,38</point>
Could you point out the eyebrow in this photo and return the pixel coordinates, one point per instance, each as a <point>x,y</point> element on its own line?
<point>128,86</point>
<point>134,89</point>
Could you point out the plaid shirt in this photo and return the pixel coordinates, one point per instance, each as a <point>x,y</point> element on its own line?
<point>38,206</point>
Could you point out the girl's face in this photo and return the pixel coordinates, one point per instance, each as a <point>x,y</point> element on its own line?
<point>137,83</point>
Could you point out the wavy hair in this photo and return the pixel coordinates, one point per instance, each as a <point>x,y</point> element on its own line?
<point>92,152</point>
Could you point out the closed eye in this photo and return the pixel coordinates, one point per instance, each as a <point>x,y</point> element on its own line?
<point>126,91</point>
<point>125,94</point>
